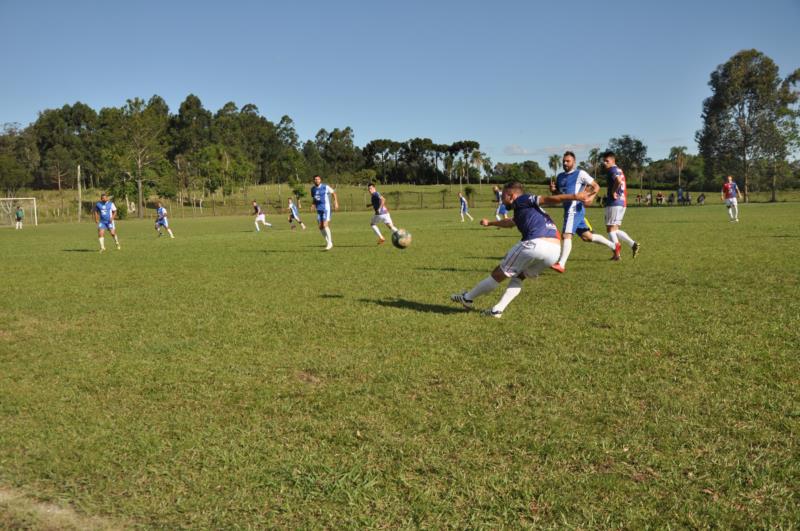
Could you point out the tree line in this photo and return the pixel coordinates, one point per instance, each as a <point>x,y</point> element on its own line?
<point>749,130</point>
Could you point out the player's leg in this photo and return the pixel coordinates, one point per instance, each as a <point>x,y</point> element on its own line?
<point>735,210</point>
<point>468,215</point>
<point>169,230</point>
<point>113,232</point>
<point>374,226</point>
<point>257,228</point>
<point>541,256</point>
<point>101,237</point>
<point>387,220</point>
<point>514,262</point>
<point>572,220</point>
<point>462,215</point>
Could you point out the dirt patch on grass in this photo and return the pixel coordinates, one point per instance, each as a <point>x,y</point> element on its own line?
<point>18,511</point>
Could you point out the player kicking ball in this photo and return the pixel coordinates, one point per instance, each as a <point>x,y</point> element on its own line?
<point>105,212</point>
<point>538,250</point>
<point>382,215</point>
<point>162,221</point>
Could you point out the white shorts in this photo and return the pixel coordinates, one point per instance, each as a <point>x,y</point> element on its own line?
<point>614,215</point>
<point>530,257</point>
<point>731,202</point>
<point>262,218</point>
<point>381,218</point>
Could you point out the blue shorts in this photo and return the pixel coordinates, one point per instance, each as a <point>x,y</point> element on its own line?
<point>323,215</point>
<point>105,225</point>
<point>502,209</point>
<point>162,223</point>
<point>575,222</point>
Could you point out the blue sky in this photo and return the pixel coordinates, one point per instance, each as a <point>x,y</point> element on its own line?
<point>524,78</point>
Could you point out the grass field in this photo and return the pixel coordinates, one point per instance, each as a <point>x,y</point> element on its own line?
<point>229,379</point>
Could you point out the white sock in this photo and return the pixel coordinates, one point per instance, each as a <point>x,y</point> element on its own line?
<point>170,233</point>
<point>482,288</point>
<point>470,217</point>
<point>267,224</point>
<point>613,237</point>
<point>257,229</point>
<point>328,237</point>
<point>625,238</point>
<point>377,231</point>
<point>596,238</point>
<point>566,248</point>
<point>102,243</point>
<point>462,216</point>
<point>736,212</point>
<point>391,227</point>
<point>514,288</point>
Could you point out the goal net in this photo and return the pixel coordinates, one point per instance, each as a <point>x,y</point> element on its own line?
<point>8,211</point>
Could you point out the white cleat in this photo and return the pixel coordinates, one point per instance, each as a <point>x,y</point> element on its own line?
<point>461,299</point>
<point>492,313</point>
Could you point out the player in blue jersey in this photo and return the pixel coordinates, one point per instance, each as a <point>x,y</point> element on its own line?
<point>319,196</point>
<point>572,181</point>
<point>105,212</point>
<point>731,195</point>
<point>260,216</point>
<point>537,250</point>
<point>616,203</point>
<point>378,203</point>
<point>294,215</point>
<point>500,212</point>
<point>464,207</point>
<point>162,221</point>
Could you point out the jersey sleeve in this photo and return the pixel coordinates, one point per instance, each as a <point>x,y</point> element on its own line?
<point>113,207</point>
<point>584,178</point>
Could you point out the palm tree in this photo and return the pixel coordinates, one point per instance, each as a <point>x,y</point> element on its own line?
<point>476,159</point>
<point>554,162</point>
<point>594,160</point>
<point>677,154</point>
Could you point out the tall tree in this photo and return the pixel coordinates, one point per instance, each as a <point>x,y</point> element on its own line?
<point>631,155</point>
<point>748,117</point>
<point>677,155</point>
<point>554,162</point>
<point>144,130</point>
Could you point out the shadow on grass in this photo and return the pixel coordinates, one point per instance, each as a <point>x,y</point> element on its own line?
<point>414,305</point>
<point>79,250</point>
<point>331,296</point>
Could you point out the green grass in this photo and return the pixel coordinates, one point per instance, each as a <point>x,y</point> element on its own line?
<point>231,379</point>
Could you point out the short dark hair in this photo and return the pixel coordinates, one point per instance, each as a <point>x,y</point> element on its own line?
<point>371,184</point>
<point>514,185</point>
<point>570,154</point>
<point>610,154</point>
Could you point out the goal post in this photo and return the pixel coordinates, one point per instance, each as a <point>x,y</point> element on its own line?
<point>8,209</point>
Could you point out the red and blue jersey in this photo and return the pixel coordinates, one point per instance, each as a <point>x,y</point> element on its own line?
<point>617,188</point>
<point>730,190</point>
<point>531,220</point>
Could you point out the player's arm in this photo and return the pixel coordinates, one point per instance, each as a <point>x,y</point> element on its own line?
<point>504,223</point>
<point>383,205</point>
<point>335,200</point>
<point>615,188</point>
<point>553,188</point>
<point>560,198</point>
<point>96,215</point>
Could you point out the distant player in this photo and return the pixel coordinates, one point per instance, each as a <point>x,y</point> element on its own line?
<point>464,207</point>
<point>537,250</point>
<point>498,198</point>
<point>260,216</point>
<point>294,215</point>
<point>162,221</point>
<point>572,181</point>
<point>19,215</point>
<point>381,213</point>
<point>616,203</point>
<point>105,212</point>
<point>730,194</point>
<point>319,196</point>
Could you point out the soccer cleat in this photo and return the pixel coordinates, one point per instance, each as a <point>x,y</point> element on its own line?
<point>329,247</point>
<point>635,249</point>
<point>381,241</point>
<point>558,267</point>
<point>460,298</point>
<point>102,250</point>
<point>492,313</point>
<point>617,251</point>
<point>119,248</point>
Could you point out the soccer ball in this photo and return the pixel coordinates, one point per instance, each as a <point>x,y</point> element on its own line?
<point>401,238</point>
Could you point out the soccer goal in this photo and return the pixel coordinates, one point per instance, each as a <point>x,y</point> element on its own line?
<point>8,210</point>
